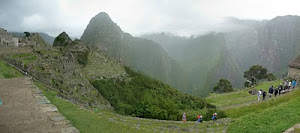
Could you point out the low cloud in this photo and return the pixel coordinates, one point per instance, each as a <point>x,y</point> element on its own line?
<point>137,17</point>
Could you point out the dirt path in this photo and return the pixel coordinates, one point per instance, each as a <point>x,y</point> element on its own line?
<point>24,109</point>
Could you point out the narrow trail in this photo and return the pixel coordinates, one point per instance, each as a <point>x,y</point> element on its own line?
<point>25,109</point>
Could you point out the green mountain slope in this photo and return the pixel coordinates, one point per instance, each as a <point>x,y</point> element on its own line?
<point>140,54</point>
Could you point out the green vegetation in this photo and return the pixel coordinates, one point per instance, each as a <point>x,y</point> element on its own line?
<point>62,39</point>
<point>26,58</point>
<point>274,116</point>
<point>255,74</point>
<point>27,34</point>
<point>240,97</point>
<point>85,121</point>
<point>145,97</point>
<point>260,106</point>
<point>82,57</point>
<point>8,72</point>
<point>99,121</point>
<point>223,86</point>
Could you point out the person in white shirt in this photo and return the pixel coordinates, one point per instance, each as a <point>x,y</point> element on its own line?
<point>259,94</point>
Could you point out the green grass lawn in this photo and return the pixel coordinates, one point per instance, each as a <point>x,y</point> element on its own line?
<point>8,72</point>
<point>273,116</point>
<point>261,106</point>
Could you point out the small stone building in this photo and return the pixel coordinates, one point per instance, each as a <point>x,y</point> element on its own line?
<point>7,39</point>
<point>294,68</point>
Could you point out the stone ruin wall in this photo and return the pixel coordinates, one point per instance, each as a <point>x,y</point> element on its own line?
<point>294,73</point>
<point>7,39</point>
<point>14,50</point>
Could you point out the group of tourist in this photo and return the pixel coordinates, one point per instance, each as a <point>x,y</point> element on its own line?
<point>288,85</point>
<point>214,117</point>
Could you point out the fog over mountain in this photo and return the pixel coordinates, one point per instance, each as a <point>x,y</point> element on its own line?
<point>213,56</point>
<point>184,18</point>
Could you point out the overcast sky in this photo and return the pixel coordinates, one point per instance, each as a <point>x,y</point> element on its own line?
<point>185,17</point>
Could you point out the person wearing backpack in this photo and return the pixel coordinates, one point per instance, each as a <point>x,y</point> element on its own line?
<point>285,85</point>
<point>276,92</point>
<point>264,95</point>
<point>280,89</point>
<point>271,90</point>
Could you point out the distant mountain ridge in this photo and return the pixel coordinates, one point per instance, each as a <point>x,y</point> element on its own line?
<point>271,44</point>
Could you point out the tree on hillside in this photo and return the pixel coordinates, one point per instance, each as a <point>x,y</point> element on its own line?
<point>223,86</point>
<point>255,74</point>
<point>271,77</point>
<point>27,34</point>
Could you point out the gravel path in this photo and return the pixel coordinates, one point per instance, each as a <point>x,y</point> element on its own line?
<point>24,109</point>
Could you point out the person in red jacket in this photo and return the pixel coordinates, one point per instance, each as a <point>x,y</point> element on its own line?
<point>199,118</point>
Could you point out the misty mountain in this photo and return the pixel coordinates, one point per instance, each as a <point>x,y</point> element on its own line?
<point>271,44</point>
<point>138,53</point>
<point>47,38</point>
<point>205,58</point>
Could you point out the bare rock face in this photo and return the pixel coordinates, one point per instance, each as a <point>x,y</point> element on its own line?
<point>62,40</point>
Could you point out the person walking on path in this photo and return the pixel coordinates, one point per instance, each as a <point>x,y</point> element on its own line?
<point>271,90</point>
<point>276,92</point>
<point>184,117</point>
<point>280,89</point>
<point>294,84</point>
<point>264,95</point>
<point>259,94</point>
<point>285,84</point>
<point>199,118</point>
<point>214,117</point>
<point>290,84</point>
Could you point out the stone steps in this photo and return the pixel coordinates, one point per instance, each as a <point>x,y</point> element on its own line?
<point>51,111</point>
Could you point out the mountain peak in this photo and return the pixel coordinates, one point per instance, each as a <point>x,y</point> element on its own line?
<point>102,15</point>
<point>62,39</point>
<point>101,27</point>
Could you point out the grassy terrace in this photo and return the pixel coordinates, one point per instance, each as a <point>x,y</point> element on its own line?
<point>238,98</point>
<point>26,58</point>
<point>273,116</point>
<point>8,72</point>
